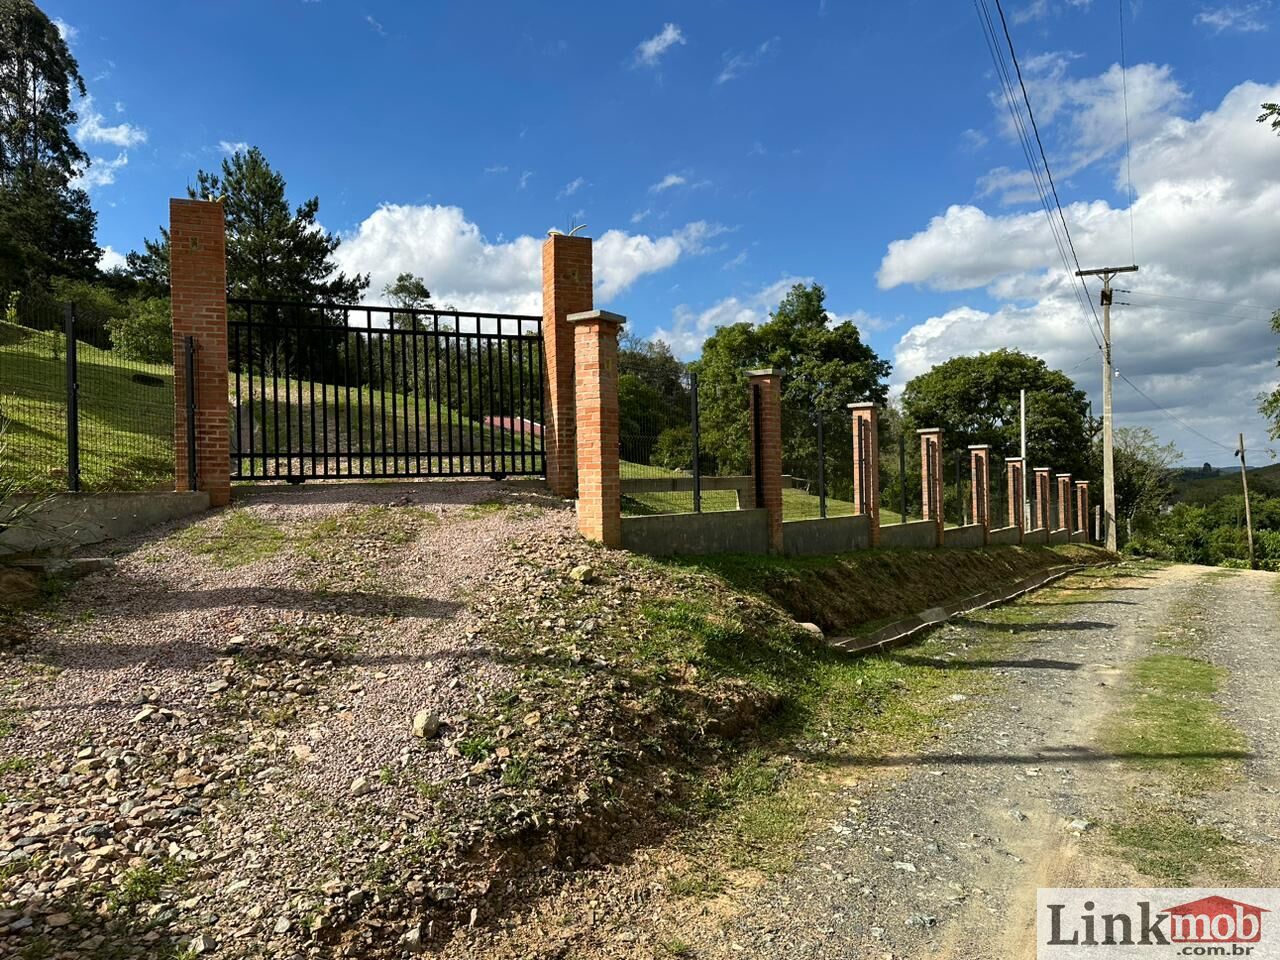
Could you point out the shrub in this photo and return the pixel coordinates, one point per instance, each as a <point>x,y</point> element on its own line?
<point>674,449</point>
<point>145,331</point>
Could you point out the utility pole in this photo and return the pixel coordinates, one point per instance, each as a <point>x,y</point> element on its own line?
<point>1108,455</point>
<point>1022,452</point>
<point>1248,515</point>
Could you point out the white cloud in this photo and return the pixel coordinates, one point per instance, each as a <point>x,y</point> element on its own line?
<point>650,51</point>
<point>233,146</point>
<point>110,259</point>
<point>667,182</point>
<point>524,178</point>
<point>497,168</point>
<point>1036,10</point>
<point>65,30</point>
<point>735,63</point>
<point>93,128</point>
<point>690,328</point>
<point>973,140</point>
<point>464,268</point>
<point>641,215</point>
<point>101,172</point>
<point>1206,222</point>
<point>1246,18</point>
<point>374,25</point>
<point>572,187</point>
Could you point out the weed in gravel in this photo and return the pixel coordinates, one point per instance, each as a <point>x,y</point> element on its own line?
<point>475,748</point>
<point>1166,845</point>
<point>242,538</point>
<point>483,508</point>
<point>16,764</point>
<point>1174,725</point>
<point>142,885</point>
<point>676,947</point>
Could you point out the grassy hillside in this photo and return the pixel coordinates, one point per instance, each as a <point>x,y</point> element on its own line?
<point>126,414</point>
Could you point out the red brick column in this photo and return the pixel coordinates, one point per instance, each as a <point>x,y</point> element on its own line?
<point>595,343</point>
<point>1064,502</point>
<point>566,289</point>
<point>1041,511</point>
<point>980,484</point>
<point>1013,478</point>
<point>931,493</point>
<point>1082,505</point>
<point>765,388</point>
<point>198,298</point>
<point>866,444</point>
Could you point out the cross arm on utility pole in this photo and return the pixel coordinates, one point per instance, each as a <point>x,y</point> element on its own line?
<point>1106,271</point>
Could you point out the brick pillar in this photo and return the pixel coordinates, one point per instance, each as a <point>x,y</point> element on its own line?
<point>866,447</point>
<point>1064,502</point>
<point>1013,478</point>
<point>765,388</point>
<point>931,501</point>
<point>595,358</point>
<point>980,484</point>
<point>1082,506</point>
<point>566,289</point>
<point>198,298</point>
<point>1041,512</point>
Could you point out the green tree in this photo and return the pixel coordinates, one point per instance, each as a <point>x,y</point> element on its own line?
<point>975,399</point>
<point>273,252</point>
<point>144,331</point>
<point>409,292</point>
<point>1270,405</point>
<point>823,363</point>
<point>46,223</point>
<point>1143,469</point>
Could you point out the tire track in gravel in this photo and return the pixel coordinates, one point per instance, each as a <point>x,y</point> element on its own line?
<point>943,860</point>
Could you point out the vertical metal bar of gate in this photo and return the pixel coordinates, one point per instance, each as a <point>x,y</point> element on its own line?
<point>902,473</point>
<point>73,400</point>
<point>757,447</point>
<point>189,370</point>
<point>822,466</point>
<point>693,423</point>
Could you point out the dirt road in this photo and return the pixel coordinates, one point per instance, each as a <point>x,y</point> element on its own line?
<point>1041,784</point>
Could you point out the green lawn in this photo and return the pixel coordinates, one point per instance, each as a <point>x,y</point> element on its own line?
<point>796,504</point>
<point>126,415</point>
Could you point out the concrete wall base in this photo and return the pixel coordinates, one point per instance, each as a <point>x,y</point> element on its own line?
<point>693,534</point>
<point>806,538</point>
<point>1005,536</point>
<point>914,535</point>
<point>969,536</point>
<point>67,522</point>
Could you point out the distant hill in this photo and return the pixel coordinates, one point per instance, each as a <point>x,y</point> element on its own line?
<point>1193,485</point>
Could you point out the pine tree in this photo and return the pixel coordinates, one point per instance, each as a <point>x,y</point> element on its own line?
<point>46,221</point>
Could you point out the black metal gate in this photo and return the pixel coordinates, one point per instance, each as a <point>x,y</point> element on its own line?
<point>322,391</point>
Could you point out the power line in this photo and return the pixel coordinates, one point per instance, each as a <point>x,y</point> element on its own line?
<point>1024,140</point>
<point>1198,313</point>
<point>1172,416</point>
<point>1219,303</point>
<point>1035,127</point>
<point>1128,143</point>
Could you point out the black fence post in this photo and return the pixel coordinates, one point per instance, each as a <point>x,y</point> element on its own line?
<point>960,486</point>
<point>822,465</point>
<point>73,401</point>
<point>697,468</point>
<point>190,368</point>
<point>902,472</point>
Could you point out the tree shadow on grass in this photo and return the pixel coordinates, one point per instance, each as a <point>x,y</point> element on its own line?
<point>1033,663</point>
<point>1063,626</point>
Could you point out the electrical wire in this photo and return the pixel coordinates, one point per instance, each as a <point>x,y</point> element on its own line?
<point>1198,313</point>
<point>1218,303</point>
<point>1085,301</point>
<point>1128,143</point>
<point>1172,416</point>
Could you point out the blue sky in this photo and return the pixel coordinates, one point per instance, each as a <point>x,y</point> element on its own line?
<point>718,151</point>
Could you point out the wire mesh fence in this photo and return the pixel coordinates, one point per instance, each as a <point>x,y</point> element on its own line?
<point>86,403</point>
<point>818,451</point>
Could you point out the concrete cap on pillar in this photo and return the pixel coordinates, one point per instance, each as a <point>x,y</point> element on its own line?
<point>766,372</point>
<point>1012,459</point>
<point>601,316</point>
<point>979,446</point>
<point>863,405</point>
<point>929,430</point>
<point>1043,469</point>
<point>1062,475</point>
